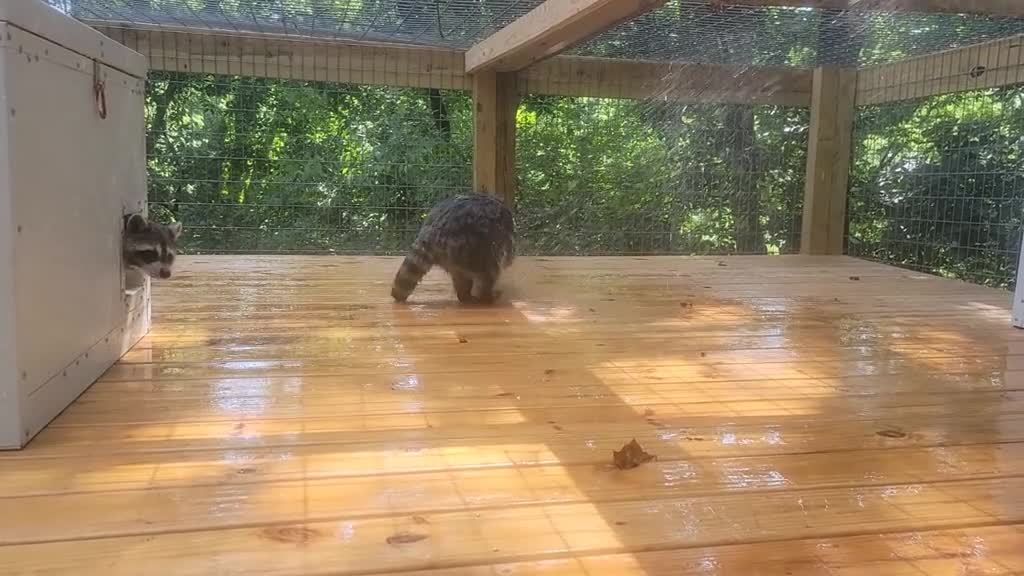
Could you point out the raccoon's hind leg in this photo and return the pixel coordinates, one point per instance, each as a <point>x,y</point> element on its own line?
<point>463,284</point>
<point>415,266</point>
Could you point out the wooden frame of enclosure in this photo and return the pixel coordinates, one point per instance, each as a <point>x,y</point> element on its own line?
<point>523,58</point>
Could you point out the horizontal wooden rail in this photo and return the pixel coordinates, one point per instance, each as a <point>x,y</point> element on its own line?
<point>307,59</point>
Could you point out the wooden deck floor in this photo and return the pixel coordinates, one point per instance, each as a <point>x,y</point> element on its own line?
<point>810,416</point>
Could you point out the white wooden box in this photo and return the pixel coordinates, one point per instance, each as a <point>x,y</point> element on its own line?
<point>67,175</point>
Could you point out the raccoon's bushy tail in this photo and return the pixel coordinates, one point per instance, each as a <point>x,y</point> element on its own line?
<point>415,266</point>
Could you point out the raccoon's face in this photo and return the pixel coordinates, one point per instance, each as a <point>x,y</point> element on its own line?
<point>150,246</point>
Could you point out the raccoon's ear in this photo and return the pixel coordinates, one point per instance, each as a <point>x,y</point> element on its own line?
<point>175,229</point>
<point>136,223</point>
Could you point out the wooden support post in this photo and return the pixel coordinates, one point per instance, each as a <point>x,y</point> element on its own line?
<point>495,101</point>
<point>828,160</point>
<point>1018,292</point>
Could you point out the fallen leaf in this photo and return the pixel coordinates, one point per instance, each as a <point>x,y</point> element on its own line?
<point>631,456</point>
<point>405,538</point>
<point>291,534</point>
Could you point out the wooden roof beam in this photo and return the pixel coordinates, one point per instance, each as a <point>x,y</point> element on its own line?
<point>982,66</point>
<point>210,52</point>
<point>1008,8</point>
<point>548,29</point>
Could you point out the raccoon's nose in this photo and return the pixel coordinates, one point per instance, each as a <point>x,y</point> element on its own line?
<point>165,274</point>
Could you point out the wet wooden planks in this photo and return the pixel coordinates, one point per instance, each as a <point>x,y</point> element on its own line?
<point>811,416</point>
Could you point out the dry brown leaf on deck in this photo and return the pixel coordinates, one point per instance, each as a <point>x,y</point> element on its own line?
<point>405,538</point>
<point>631,456</point>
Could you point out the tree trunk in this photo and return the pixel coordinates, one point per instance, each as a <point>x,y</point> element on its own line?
<point>745,201</point>
<point>162,102</point>
<point>439,110</point>
<point>244,116</point>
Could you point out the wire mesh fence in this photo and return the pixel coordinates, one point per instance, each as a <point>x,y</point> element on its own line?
<point>938,184</point>
<point>270,145</point>
<point>261,165</point>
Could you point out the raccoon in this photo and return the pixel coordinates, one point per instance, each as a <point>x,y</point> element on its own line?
<point>150,246</point>
<point>472,237</point>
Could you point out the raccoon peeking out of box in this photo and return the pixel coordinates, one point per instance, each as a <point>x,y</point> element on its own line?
<point>150,246</point>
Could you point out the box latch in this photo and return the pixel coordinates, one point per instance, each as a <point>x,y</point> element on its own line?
<point>99,89</point>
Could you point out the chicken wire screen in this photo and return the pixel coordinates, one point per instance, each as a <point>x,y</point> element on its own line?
<point>938,184</point>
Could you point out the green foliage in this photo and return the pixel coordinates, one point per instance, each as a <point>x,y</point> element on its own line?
<point>604,176</point>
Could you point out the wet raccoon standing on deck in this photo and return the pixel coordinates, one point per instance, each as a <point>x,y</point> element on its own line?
<point>472,237</point>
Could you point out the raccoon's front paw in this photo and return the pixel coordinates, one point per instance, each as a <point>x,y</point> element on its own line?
<point>399,296</point>
<point>487,299</point>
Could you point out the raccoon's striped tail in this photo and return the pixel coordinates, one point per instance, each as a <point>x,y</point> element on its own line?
<point>415,266</point>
